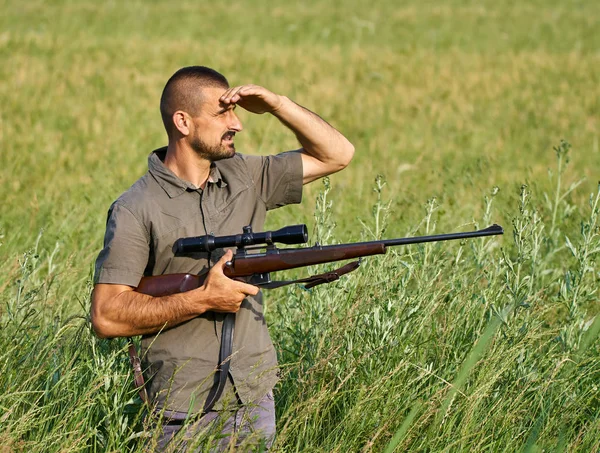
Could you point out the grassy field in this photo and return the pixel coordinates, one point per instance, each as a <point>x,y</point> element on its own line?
<point>457,111</point>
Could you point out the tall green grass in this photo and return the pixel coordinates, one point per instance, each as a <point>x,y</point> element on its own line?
<point>488,344</point>
<point>457,112</point>
<point>441,347</point>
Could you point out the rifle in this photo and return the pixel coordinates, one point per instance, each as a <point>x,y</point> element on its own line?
<point>257,256</point>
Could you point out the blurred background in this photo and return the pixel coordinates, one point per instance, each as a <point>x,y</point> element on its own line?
<point>445,99</point>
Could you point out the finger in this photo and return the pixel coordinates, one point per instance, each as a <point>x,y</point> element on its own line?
<point>237,93</point>
<point>230,95</point>
<point>251,90</point>
<point>222,263</point>
<point>248,289</point>
<point>226,95</point>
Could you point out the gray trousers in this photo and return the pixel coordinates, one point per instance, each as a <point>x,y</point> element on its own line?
<point>248,428</point>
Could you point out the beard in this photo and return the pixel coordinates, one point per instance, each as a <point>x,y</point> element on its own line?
<point>212,153</point>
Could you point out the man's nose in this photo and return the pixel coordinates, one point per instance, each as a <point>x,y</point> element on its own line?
<point>234,122</point>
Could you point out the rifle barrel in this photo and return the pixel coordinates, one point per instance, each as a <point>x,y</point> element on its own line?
<point>489,231</point>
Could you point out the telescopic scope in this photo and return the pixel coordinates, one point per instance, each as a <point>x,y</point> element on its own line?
<point>295,234</point>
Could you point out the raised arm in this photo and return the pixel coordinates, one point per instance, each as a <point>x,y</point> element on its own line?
<point>119,311</point>
<point>324,149</point>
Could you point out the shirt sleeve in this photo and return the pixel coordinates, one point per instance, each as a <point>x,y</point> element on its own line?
<point>278,178</point>
<point>126,249</point>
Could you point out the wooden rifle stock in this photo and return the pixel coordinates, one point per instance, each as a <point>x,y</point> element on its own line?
<point>165,285</point>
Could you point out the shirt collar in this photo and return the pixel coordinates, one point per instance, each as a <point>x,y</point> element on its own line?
<point>170,182</point>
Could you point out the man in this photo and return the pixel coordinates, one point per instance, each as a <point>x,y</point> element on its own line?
<point>199,185</point>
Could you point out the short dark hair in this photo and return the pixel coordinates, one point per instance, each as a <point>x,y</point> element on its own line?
<point>183,91</point>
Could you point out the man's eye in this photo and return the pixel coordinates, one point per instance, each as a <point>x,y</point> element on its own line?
<point>226,111</point>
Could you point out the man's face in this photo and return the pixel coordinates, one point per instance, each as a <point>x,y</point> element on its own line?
<point>215,127</point>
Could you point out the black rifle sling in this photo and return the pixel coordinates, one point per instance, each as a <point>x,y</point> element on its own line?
<point>224,361</point>
<point>220,376</point>
<point>315,280</point>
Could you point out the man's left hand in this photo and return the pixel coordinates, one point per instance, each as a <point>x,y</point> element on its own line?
<point>253,98</point>
<point>324,149</point>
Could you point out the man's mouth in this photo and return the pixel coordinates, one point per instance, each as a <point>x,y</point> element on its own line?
<point>228,136</point>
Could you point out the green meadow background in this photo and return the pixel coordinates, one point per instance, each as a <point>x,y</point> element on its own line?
<point>463,114</point>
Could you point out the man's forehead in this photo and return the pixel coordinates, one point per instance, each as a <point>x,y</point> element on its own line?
<point>213,93</point>
<point>211,97</point>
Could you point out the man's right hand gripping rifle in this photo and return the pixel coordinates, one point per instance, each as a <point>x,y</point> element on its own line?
<point>218,293</point>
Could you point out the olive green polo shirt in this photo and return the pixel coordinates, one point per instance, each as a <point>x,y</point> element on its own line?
<point>142,226</point>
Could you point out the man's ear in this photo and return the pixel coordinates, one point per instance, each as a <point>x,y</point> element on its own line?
<point>182,122</point>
